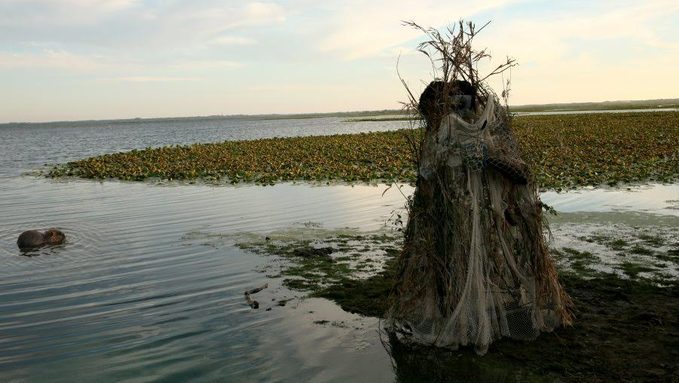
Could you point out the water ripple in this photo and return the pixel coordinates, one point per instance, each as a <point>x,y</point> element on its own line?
<point>135,294</point>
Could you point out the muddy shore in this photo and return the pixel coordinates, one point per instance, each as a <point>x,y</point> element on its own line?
<point>625,331</point>
<point>626,328</point>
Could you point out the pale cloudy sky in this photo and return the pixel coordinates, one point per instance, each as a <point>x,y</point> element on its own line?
<point>98,59</point>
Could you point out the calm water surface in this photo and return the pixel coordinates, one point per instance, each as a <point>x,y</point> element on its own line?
<point>25,147</point>
<point>136,295</point>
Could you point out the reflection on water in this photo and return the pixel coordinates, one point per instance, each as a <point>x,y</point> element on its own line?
<point>131,297</point>
<point>429,364</point>
<point>657,200</point>
<point>128,296</point>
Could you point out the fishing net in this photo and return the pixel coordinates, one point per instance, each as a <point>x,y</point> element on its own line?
<point>475,266</point>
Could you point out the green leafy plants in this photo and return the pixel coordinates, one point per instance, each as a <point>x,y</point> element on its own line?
<point>563,152</point>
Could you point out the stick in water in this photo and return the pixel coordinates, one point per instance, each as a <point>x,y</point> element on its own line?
<point>251,302</point>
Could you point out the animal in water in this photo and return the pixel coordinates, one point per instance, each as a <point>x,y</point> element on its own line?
<point>34,238</point>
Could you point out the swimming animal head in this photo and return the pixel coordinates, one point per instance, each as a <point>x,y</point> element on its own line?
<point>54,236</point>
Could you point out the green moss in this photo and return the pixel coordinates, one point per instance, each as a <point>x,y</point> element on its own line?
<point>300,284</point>
<point>321,266</point>
<point>633,269</point>
<point>618,244</point>
<point>652,240</point>
<point>606,240</point>
<point>638,249</point>
<point>381,119</point>
<point>364,296</point>
<point>580,261</point>
<point>671,255</point>
<point>595,238</point>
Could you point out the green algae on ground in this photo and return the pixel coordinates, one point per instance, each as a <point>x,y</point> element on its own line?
<point>633,269</point>
<point>331,259</point>
<point>563,151</point>
<point>355,270</point>
<point>651,253</point>
<point>580,261</point>
<point>382,119</point>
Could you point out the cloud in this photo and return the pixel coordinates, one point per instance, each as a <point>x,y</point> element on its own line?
<point>154,79</point>
<point>595,52</point>
<point>557,34</point>
<point>51,59</point>
<point>199,65</point>
<point>364,29</point>
<point>232,40</point>
<point>133,24</point>
<point>343,53</point>
<point>43,13</point>
<point>566,52</point>
<point>96,4</point>
<point>261,13</point>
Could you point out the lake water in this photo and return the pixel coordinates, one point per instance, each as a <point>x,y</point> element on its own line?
<point>149,285</point>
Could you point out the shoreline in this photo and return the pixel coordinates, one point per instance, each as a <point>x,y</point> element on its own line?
<point>618,317</point>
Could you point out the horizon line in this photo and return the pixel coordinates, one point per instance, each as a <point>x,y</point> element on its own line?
<point>302,114</point>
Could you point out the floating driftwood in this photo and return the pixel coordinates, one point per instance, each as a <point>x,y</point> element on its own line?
<point>251,302</point>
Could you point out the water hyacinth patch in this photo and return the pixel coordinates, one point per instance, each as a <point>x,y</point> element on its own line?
<point>563,151</point>
<point>566,151</point>
<point>350,157</point>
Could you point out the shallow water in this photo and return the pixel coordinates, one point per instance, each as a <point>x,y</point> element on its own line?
<point>132,295</point>
<point>137,293</point>
<point>636,225</point>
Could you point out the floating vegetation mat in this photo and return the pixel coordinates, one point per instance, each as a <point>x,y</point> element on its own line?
<point>563,151</point>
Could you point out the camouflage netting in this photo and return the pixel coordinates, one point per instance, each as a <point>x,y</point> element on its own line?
<point>475,266</point>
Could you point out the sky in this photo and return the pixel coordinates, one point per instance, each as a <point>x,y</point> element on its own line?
<point>104,59</point>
